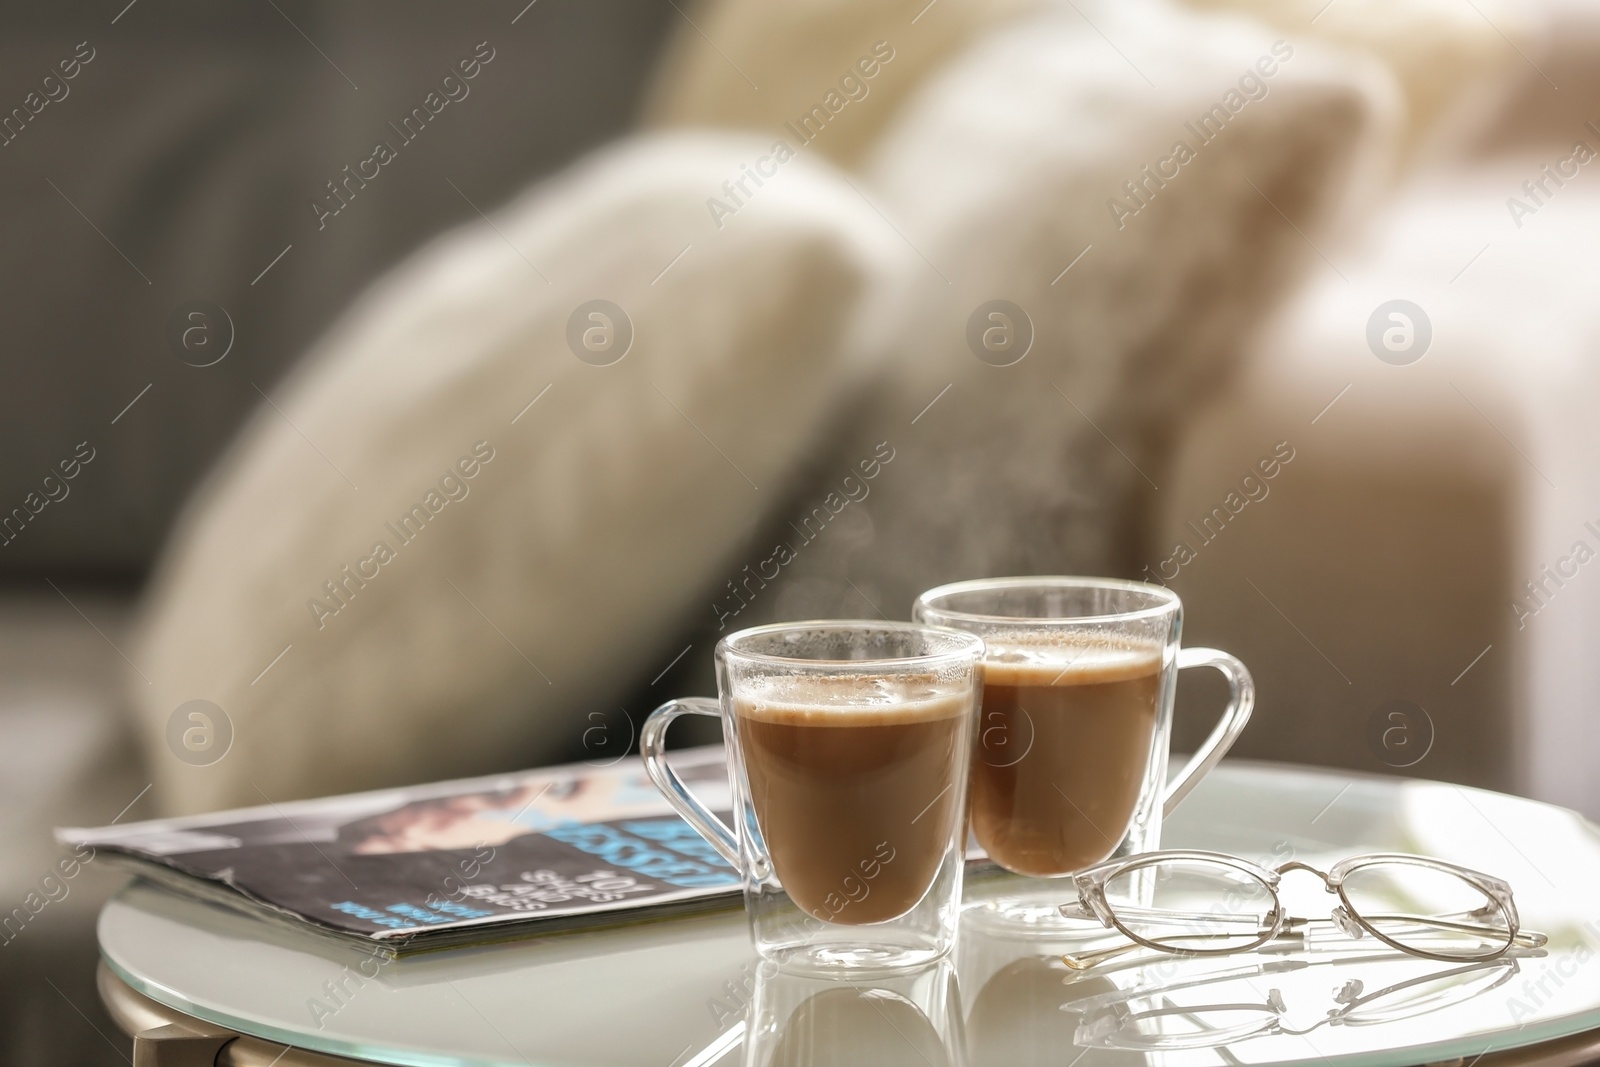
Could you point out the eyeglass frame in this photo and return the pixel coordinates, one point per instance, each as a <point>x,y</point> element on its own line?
<point>1091,883</point>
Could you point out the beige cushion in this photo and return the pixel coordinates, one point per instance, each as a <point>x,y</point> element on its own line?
<point>844,66</point>
<point>563,539</point>
<point>1453,59</point>
<point>1557,82</point>
<point>1000,173</point>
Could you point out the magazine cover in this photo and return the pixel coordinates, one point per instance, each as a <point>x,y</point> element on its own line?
<point>451,863</point>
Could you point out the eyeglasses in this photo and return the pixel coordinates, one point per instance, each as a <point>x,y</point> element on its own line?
<point>1213,904</point>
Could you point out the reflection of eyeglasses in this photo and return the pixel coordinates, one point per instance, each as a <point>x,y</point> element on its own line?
<point>1213,904</point>
<point>1126,1023</point>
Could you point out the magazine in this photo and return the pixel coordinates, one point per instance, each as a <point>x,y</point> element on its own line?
<point>452,863</point>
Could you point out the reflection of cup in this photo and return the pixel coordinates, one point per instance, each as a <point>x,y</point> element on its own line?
<point>848,746</point>
<point>1021,1001</point>
<point>911,1019</point>
<point>1070,765</point>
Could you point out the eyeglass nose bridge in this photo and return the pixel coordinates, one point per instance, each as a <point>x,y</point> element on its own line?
<point>1296,865</point>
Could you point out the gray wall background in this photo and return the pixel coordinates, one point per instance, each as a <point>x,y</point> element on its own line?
<point>184,158</point>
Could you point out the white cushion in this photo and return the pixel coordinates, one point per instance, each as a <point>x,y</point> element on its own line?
<point>587,519</point>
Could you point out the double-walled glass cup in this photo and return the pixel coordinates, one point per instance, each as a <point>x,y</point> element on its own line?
<point>1070,760</point>
<point>849,746</point>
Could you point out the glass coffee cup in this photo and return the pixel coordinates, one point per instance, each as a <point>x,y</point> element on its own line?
<point>849,747</point>
<point>1070,760</point>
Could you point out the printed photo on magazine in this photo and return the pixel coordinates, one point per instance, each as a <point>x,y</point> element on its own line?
<point>449,863</point>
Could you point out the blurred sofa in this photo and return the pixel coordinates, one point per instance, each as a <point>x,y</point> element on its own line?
<point>1420,568</point>
<point>1430,525</point>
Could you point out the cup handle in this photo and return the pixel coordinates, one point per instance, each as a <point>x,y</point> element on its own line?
<point>1241,699</point>
<point>652,745</point>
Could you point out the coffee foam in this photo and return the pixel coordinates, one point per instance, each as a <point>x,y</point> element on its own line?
<point>1062,663</point>
<point>850,701</point>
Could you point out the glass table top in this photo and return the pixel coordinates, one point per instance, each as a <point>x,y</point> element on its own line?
<point>689,993</point>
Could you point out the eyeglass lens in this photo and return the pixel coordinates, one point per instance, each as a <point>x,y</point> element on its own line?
<point>1428,909</point>
<point>1195,906</point>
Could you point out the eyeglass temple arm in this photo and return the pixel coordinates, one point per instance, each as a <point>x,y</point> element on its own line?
<point>1082,961</point>
<point>1522,938</point>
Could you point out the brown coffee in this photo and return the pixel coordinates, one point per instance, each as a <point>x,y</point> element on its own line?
<point>857,786</point>
<point>1064,739</point>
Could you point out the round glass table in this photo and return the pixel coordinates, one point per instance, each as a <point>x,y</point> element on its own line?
<point>199,983</point>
